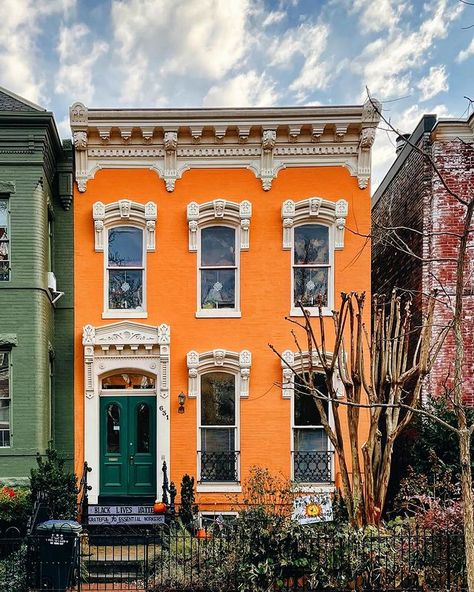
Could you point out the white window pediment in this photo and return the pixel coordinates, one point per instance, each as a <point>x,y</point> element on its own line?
<point>314,209</point>
<point>300,363</point>
<point>219,211</point>
<point>238,363</point>
<point>124,211</point>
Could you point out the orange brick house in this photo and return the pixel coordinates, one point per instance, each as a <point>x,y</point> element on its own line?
<point>196,232</point>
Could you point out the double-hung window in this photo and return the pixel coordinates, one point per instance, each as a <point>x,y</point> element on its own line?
<point>218,268</point>
<point>312,457</point>
<point>219,231</point>
<point>313,229</point>
<point>5,398</point>
<point>4,240</point>
<point>218,428</point>
<point>125,269</point>
<point>124,232</point>
<point>311,265</point>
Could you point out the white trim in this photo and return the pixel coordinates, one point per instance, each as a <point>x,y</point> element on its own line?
<point>218,488</point>
<point>313,487</point>
<point>218,313</point>
<point>114,347</point>
<point>265,141</point>
<point>124,314</point>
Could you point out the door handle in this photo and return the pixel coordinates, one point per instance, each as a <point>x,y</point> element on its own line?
<point>131,459</point>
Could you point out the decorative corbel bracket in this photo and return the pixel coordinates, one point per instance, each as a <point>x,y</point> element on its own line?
<point>170,173</point>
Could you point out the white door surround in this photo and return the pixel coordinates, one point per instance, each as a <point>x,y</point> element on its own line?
<point>125,346</point>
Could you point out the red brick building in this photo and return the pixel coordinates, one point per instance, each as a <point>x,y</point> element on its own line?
<point>415,226</point>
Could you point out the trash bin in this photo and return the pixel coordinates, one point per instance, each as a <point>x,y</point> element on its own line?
<point>58,545</point>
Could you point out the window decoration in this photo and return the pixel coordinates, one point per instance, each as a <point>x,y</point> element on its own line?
<point>236,362</point>
<point>219,230</point>
<point>125,230</point>
<point>4,240</point>
<point>128,381</point>
<point>313,228</point>
<point>5,398</point>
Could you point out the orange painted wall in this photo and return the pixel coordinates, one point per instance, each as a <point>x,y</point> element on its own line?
<point>171,293</point>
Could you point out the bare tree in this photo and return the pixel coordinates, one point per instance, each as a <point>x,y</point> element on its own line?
<point>382,387</point>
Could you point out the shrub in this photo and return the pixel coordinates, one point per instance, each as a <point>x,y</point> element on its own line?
<point>187,508</point>
<point>13,572</point>
<point>58,485</point>
<point>15,507</point>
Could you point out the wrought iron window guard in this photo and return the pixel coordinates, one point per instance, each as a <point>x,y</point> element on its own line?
<point>218,467</point>
<point>313,466</point>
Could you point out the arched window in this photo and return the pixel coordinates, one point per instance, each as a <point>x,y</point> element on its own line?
<point>313,229</point>
<point>128,381</point>
<point>125,269</point>
<point>125,231</point>
<point>218,231</point>
<point>311,265</point>
<point>218,426</point>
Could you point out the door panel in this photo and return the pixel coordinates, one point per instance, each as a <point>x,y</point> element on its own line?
<point>128,445</point>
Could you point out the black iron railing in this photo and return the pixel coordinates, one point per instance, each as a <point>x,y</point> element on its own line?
<point>313,466</point>
<point>82,495</point>
<point>219,466</point>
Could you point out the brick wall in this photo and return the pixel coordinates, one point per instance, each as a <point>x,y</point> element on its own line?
<point>455,160</point>
<point>415,198</point>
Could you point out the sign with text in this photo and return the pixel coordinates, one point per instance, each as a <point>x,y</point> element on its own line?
<point>120,510</point>
<point>310,509</point>
<point>144,519</point>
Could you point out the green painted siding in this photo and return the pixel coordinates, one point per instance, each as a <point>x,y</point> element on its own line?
<point>29,154</point>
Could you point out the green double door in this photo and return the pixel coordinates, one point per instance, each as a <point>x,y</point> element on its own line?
<point>127,446</point>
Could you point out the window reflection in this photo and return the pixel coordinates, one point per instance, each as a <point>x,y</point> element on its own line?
<point>113,428</point>
<point>218,267</point>
<point>143,428</point>
<point>128,381</point>
<point>311,265</point>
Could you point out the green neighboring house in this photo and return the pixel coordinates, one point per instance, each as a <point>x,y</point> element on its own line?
<point>36,288</point>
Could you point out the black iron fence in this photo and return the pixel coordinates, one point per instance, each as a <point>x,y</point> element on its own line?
<point>223,558</point>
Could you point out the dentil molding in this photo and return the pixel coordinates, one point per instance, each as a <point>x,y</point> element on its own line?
<point>264,141</point>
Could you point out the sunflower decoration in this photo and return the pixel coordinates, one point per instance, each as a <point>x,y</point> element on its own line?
<point>313,510</point>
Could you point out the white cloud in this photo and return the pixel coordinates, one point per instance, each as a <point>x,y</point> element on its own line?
<point>77,56</point>
<point>19,56</point>
<point>464,54</point>
<point>379,15</point>
<point>159,38</point>
<point>310,42</point>
<point>244,90</point>
<point>433,83</point>
<point>386,65</point>
<point>273,17</point>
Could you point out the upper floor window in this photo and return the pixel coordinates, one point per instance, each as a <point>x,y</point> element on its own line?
<point>125,231</point>
<point>125,269</point>
<point>219,230</point>
<point>311,265</point>
<point>313,229</point>
<point>5,398</point>
<point>218,268</point>
<point>4,240</point>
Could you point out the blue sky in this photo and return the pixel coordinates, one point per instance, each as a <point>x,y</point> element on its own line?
<point>417,57</point>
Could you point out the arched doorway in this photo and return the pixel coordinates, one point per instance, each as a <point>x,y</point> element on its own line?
<point>128,434</point>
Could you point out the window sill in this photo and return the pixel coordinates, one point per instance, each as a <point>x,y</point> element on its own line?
<point>314,487</point>
<point>218,314</point>
<point>125,314</point>
<point>297,312</point>
<point>219,488</point>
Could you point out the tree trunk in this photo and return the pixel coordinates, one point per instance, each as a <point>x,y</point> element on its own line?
<point>468,513</point>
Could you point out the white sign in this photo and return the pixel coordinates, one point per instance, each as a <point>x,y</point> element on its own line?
<point>127,519</point>
<point>310,509</point>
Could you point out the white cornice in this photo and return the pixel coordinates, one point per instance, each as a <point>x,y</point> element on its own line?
<point>452,129</point>
<point>172,141</point>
